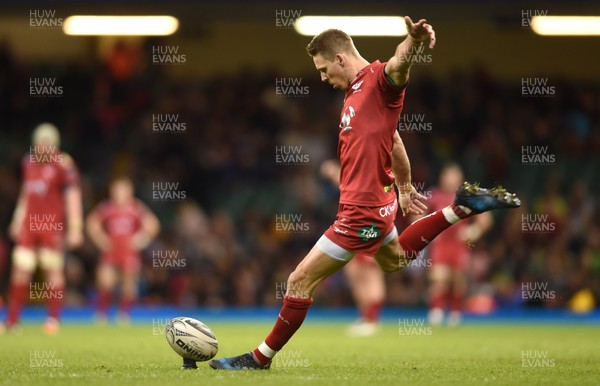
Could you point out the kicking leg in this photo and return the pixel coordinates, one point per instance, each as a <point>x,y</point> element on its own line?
<point>315,268</point>
<point>470,200</point>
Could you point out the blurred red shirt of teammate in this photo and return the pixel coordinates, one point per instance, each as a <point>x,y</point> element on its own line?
<point>121,227</point>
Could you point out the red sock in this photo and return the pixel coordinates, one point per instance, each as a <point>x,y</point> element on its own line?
<point>290,319</point>
<point>438,301</point>
<point>421,232</point>
<point>456,301</point>
<point>55,298</point>
<point>126,304</point>
<point>372,311</point>
<point>15,303</point>
<point>104,298</point>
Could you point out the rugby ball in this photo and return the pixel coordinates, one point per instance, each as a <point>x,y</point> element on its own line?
<point>191,339</point>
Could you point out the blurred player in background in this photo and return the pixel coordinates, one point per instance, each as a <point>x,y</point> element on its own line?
<point>120,227</point>
<point>449,252</point>
<point>366,280</point>
<point>373,159</point>
<point>47,219</point>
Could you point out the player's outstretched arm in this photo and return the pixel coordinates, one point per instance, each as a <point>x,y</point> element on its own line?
<point>409,199</point>
<point>419,34</point>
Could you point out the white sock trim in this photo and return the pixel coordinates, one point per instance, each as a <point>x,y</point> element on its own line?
<point>450,216</point>
<point>266,350</point>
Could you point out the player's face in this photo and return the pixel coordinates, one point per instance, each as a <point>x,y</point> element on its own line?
<point>121,191</point>
<point>451,179</point>
<point>331,72</point>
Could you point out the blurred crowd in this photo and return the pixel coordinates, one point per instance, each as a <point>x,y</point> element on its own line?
<point>228,233</point>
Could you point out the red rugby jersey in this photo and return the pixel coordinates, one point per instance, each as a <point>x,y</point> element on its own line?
<point>45,178</point>
<point>368,121</point>
<point>121,223</point>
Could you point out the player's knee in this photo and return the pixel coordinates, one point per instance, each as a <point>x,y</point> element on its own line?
<point>51,260</point>
<point>24,261</point>
<point>298,284</point>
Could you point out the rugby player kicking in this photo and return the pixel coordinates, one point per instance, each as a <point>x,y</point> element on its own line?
<point>373,159</point>
<point>48,218</point>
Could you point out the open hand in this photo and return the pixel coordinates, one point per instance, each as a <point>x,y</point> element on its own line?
<point>420,31</point>
<point>411,201</point>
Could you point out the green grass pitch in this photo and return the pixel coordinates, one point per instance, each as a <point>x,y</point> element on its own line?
<point>320,354</point>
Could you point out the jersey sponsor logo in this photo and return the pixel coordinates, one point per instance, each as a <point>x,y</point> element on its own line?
<point>388,188</point>
<point>346,117</point>
<point>38,187</point>
<point>388,210</point>
<point>356,87</point>
<point>369,233</point>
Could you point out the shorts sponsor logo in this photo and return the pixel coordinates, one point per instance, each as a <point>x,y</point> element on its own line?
<point>369,233</point>
<point>339,230</point>
<point>388,210</point>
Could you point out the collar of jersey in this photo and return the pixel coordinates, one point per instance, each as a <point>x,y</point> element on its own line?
<point>361,74</point>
